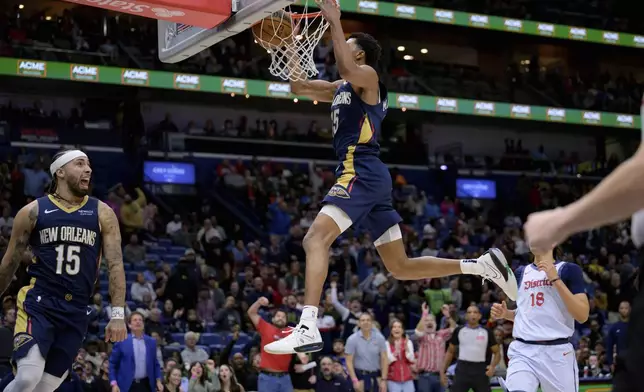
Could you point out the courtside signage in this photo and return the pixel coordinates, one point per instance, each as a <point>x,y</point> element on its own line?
<point>32,68</point>
<point>405,11</point>
<point>83,73</point>
<point>466,19</point>
<point>137,77</point>
<point>368,7</point>
<point>233,86</point>
<point>271,89</point>
<point>187,82</point>
<point>278,90</point>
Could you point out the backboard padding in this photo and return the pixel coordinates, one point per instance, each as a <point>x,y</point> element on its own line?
<point>178,42</point>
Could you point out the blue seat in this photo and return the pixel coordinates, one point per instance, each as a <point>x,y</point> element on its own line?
<point>177,250</point>
<point>131,275</point>
<point>168,350</point>
<point>139,267</point>
<point>172,259</point>
<point>178,338</point>
<point>157,250</point>
<point>243,339</point>
<point>104,285</point>
<point>165,242</point>
<point>211,339</point>
<point>131,305</point>
<point>237,348</point>
<point>152,256</point>
<point>217,348</point>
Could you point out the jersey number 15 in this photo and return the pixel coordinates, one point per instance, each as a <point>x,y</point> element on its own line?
<point>68,257</point>
<point>335,119</point>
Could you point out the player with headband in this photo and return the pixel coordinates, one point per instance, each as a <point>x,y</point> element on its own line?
<point>67,231</point>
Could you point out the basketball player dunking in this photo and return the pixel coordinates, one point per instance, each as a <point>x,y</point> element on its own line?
<point>362,193</point>
<point>66,231</point>
<point>617,197</point>
<point>551,297</point>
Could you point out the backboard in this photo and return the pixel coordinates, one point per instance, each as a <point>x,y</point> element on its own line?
<point>179,41</point>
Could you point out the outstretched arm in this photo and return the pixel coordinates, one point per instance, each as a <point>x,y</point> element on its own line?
<point>23,223</point>
<point>318,90</point>
<point>362,76</point>
<point>111,234</point>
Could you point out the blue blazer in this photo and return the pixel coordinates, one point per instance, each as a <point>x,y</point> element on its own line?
<point>122,363</point>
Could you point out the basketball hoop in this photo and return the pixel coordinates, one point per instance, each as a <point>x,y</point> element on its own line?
<point>290,39</point>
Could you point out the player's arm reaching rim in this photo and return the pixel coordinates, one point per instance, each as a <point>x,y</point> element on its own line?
<point>116,330</point>
<point>23,223</point>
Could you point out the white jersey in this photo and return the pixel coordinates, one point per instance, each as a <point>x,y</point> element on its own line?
<point>541,314</point>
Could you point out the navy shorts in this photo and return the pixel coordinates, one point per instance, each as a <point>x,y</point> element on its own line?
<point>55,325</point>
<point>366,199</point>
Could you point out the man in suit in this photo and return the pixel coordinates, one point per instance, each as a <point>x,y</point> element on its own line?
<point>133,364</point>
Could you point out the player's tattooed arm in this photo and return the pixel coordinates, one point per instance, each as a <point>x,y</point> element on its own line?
<point>111,234</point>
<point>23,223</point>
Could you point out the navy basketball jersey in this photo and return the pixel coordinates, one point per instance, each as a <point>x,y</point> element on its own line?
<point>66,244</point>
<point>356,128</point>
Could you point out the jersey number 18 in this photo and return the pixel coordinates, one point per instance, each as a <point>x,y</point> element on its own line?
<point>69,256</point>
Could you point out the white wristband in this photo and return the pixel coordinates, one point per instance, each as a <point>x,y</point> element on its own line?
<point>118,313</point>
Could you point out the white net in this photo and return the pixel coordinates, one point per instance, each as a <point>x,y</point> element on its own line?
<point>291,39</point>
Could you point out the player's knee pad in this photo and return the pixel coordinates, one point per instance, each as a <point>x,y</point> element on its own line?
<point>49,383</point>
<point>392,234</point>
<point>29,371</point>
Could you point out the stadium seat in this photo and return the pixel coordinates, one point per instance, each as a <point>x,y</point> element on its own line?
<point>177,250</point>
<point>211,339</point>
<point>152,256</point>
<point>165,242</point>
<point>178,337</point>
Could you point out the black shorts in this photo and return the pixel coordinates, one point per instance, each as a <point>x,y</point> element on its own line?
<point>55,325</point>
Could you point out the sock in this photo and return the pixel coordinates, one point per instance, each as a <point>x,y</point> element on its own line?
<point>471,267</point>
<point>309,313</point>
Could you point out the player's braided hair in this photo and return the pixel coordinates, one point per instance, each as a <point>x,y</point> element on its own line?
<point>370,46</point>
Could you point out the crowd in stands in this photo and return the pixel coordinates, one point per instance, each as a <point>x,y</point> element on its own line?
<point>77,36</point>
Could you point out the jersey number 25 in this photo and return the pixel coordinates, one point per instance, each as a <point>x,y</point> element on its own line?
<point>69,257</point>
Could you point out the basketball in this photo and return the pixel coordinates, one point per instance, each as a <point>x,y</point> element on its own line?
<point>272,32</point>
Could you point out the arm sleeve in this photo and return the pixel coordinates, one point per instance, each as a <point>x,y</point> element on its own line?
<point>572,276</point>
<point>519,275</point>
<point>454,339</point>
<point>491,340</point>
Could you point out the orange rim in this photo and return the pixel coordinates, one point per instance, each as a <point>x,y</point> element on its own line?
<point>305,16</point>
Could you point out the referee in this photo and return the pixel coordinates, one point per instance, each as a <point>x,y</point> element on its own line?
<point>474,344</point>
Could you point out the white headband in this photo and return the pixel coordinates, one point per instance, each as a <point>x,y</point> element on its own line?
<point>65,159</point>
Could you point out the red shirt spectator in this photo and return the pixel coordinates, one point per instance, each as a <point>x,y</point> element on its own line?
<point>269,333</point>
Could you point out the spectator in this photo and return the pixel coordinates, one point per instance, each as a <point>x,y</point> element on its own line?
<point>141,288</point>
<point>134,252</point>
<point>616,339</point>
<point>400,351</point>
<point>192,354</point>
<point>228,380</point>
<point>295,279</point>
<point>367,360</point>
<point>208,233</point>
<point>201,381</point>
<point>173,381</point>
<point>228,317</point>
<point>431,351</point>
<point>327,381</point>
<point>274,376</point>
<point>133,363</point>
<point>302,372</point>
<point>36,180</point>
<point>6,221</point>
<point>206,307</point>
<point>174,225</point>
<point>132,212</point>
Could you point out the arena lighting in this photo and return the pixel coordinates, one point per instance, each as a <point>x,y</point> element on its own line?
<point>404,109</point>
<point>47,17</point>
<point>315,102</point>
<point>21,6</point>
<point>408,57</point>
<point>296,100</point>
<point>232,95</point>
<point>247,95</point>
<point>424,51</point>
<point>443,167</point>
<point>401,48</point>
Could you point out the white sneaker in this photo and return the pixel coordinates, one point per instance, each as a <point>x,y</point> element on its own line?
<point>497,270</point>
<point>305,338</point>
